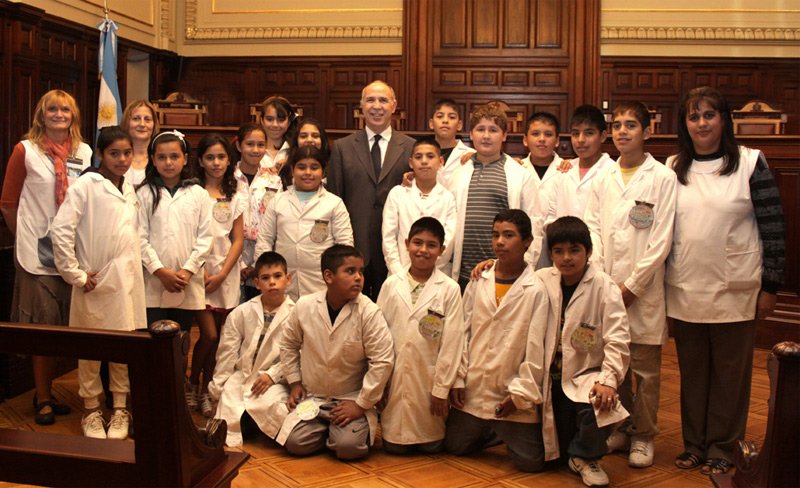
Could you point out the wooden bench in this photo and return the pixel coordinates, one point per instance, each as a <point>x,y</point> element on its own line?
<point>168,449</point>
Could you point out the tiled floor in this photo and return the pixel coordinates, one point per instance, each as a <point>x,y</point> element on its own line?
<point>271,466</point>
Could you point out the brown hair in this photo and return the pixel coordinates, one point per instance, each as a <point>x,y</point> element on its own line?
<point>128,113</point>
<point>492,111</point>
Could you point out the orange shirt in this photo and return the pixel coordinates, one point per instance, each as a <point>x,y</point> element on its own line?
<point>14,178</point>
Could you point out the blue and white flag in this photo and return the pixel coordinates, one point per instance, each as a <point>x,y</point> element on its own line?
<point>109,107</point>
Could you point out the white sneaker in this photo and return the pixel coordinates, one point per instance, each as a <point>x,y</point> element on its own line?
<point>119,424</point>
<point>205,405</point>
<point>618,441</point>
<point>590,471</point>
<point>642,452</point>
<point>93,425</point>
<point>190,392</point>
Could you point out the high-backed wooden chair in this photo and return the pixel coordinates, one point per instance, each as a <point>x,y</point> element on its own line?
<point>758,118</point>
<point>181,109</point>
<point>168,449</point>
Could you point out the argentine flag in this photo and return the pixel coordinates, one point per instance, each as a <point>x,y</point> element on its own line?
<point>109,107</point>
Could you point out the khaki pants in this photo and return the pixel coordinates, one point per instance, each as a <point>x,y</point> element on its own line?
<point>642,402</point>
<point>348,442</point>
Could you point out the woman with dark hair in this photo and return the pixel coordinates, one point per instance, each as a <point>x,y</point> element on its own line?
<point>723,273</point>
<point>38,173</point>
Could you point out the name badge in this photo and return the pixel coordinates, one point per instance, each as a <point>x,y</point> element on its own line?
<point>222,211</point>
<point>307,410</point>
<point>319,233</point>
<point>584,338</point>
<point>431,325</point>
<point>641,215</point>
<point>74,168</point>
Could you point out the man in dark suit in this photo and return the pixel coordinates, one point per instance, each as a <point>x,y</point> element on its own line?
<point>362,171</point>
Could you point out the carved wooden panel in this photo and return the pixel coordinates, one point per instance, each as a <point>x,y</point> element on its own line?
<point>660,83</point>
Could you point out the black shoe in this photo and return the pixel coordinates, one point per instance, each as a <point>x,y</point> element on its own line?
<point>45,418</point>
<point>58,408</point>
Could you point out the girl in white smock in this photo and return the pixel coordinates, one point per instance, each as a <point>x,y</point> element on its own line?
<point>96,248</point>
<point>261,185</point>
<point>303,221</point>
<point>221,272</point>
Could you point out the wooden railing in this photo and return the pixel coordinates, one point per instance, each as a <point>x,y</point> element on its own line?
<point>168,449</point>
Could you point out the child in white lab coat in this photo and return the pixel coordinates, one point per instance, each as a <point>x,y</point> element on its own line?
<point>423,309</point>
<point>303,221</point>
<point>446,123</point>
<point>248,379</point>
<point>175,234</point>
<point>221,272</point>
<point>587,362</point>
<point>262,185</point>
<point>424,198</point>
<point>96,250</point>
<point>337,355</point>
<point>500,384</point>
<point>631,213</point>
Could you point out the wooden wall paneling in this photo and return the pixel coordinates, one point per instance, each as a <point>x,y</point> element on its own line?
<point>663,81</point>
<point>521,51</point>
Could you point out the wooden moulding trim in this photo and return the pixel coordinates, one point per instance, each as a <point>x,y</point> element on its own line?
<point>789,35</point>
<point>303,33</point>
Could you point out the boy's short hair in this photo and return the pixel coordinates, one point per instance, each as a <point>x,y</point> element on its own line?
<point>544,117</point>
<point>270,258</point>
<point>517,217</point>
<point>569,229</point>
<point>428,224</point>
<point>307,152</point>
<point>638,109</point>
<point>446,102</point>
<point>334,256</point>
<point>492,111</point>
<point>590,115</point>
<point>430,141</point>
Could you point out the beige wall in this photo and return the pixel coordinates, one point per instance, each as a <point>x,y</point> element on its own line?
<point>735,28</point>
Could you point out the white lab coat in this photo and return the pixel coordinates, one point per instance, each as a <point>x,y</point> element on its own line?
<point>239,365</point>
<point>37,208</point>
<point>522,194</point>
<point>268,161</point>
<point>351,359</point>
<point>264,187</point>
<point>505,345</point>
<point>634,256</point>
<point>596,304</point>
<point>406,205</point>
<point>425,363</point>
<point>453,162</point>
<point>177,236</point>
<point>714,270</point>
<point>544,185</point>
<point>570,194</point>
<point>95,230</point>
<point>287,228</point>
<point>227,295</point>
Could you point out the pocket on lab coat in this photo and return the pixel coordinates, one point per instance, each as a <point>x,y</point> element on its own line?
<point>743,269</point>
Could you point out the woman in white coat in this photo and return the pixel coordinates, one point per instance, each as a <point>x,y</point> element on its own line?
<point>724,271</point>
<point>303,221</point>
<point>38,174</point>
<point>96,249</point>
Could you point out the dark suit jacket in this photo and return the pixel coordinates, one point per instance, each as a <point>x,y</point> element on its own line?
<point>352,177</point>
